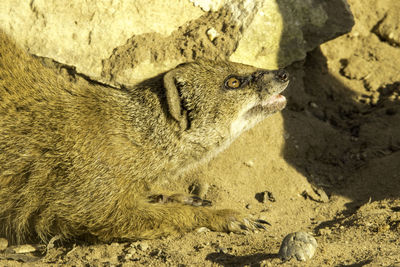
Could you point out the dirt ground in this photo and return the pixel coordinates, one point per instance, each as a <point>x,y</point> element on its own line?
<point>329,164</point>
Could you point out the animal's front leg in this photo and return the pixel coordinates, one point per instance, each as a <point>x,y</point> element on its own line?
<point>153,220</point>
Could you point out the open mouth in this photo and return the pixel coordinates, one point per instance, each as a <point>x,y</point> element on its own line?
<point>270,105</point>
<point>278,101</point>
<point>275,102</point>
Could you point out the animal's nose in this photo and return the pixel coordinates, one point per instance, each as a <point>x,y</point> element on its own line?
<point>282,76</point>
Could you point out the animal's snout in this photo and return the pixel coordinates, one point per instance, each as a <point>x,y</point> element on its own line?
<point>282,76</point>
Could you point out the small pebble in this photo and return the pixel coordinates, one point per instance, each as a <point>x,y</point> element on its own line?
<point>24,249</point>
<point>323,196</point>
<point>202,230</point>
<point>212,34</point>
<point>199,188</point>
<point>143,246</point>
<point>383,228</point>
<point>299,245</point>
<point>264,197</point>
<point>222,250</point>
<point>325,231</point>
<point>317,194</point>
<point>249,163</point>
<point>286,135</point>
<point>131,251</point>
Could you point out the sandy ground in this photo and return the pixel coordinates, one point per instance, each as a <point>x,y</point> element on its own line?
<point>329,164</point>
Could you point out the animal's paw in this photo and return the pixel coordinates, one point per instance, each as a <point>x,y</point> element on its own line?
<point>247,224</point>
<point>180,198</point>
<point>232,221</point>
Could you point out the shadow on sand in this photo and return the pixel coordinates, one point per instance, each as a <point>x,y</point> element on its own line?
<point>332,134</point>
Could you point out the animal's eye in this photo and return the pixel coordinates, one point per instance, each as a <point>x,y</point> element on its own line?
<point>233,83</point>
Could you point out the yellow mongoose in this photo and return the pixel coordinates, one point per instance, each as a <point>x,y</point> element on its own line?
<point>77,160</point>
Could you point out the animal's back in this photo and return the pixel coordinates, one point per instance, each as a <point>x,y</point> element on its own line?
<point>69,155</point>
<point>44,124</point>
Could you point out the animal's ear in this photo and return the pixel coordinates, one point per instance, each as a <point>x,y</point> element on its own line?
<point>174,100</point>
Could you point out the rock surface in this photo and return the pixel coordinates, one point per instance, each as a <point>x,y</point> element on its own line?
<point>389,28</point>
<point>283,31</point>
<point>126,42</point>
<point>83,33</point>
<point>299,245</point>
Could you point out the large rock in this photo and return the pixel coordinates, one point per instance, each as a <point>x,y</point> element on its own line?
<point>124,42</point>
<point>83,33</point>
<point>283,31</point>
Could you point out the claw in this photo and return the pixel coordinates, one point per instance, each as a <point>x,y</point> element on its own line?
<point>158,199</point>
<point>260,226</point>
<point>180,198</point>
<point>263,222</point>
<point>244,227</point>
<point>196,201</point>
<point>245,224</point>
<point>206,202</point>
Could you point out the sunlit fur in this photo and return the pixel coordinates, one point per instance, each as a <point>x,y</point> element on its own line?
<point>78,160</point>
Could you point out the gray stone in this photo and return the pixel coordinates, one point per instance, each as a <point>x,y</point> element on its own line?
<point>299,245</point>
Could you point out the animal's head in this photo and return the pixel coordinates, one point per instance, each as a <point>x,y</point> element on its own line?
<point>227,94</point>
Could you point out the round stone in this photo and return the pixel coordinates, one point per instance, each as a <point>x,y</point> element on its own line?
<point>299,245</point>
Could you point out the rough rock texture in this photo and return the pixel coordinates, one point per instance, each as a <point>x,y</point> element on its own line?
<point>299,245</point>
<point>83,33</point>
<point>125,42</point>
<point>389,28</point>
<point>284,30</point>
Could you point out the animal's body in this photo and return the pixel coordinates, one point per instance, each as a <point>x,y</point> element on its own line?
<point>77,160</point>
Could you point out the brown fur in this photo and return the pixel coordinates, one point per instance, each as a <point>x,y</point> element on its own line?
<point>77,160</point>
